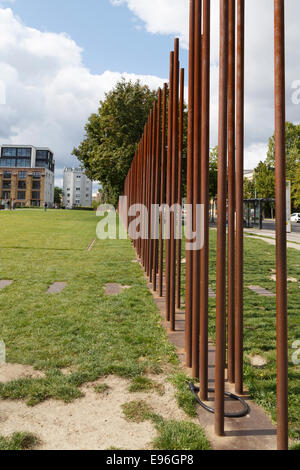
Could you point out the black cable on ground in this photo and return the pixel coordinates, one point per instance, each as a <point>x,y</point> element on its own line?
<point>240,414</point>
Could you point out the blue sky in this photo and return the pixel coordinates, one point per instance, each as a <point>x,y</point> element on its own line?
<point>112,38</point>
<point>52,82</point>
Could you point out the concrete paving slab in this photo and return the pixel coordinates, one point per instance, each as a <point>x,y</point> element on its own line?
<point>261,291</point>
<point>4,283</point>
<point>57,288</point>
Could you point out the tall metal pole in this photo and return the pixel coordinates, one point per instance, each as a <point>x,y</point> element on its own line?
<point>179,194</point>
<point>157,188</point>
<point>174,184</point>
<point>169,181</point>
<point>196,187</point>
<point>162,190</point>
<point>239,251</point>
<point>205,201</point>
<point>190,167</point>
<point>221,237</point>
<point>281,263</point>
<point>231,188</point>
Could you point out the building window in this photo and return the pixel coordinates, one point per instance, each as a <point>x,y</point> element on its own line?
<point>23,163</point>
<point>35,194</point>
<point>21,185</point>
<point>5,194</point>
<point>7,162</point>
<point>24,152</point>
<point>9,152</point>
<point>7,175</point>
<point>78,189</point>
<point>6,184</point>
<point>36,185</point>
<point>22,175</point>
<point>21,195</point>
<point>36,174</point>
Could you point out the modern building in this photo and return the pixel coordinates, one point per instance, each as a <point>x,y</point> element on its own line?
<point>78,188</point>
<point>26,176</point>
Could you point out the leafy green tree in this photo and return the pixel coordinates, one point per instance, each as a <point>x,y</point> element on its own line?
<point>213,173</point>
<point>292,158</point>
<point>112,136</point>
<point>58,193</point>
<point>264,181</point>
<point>249,189</point>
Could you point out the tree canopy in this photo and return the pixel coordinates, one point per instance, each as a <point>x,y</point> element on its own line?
<point>112,135</point>
<point>263,184</point>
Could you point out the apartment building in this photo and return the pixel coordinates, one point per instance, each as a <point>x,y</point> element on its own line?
<point>77,189</point>
<point>26,176</point>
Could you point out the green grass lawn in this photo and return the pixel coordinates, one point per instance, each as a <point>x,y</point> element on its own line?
<point>80,328</point>
<point>94,334</point>
<point>260,324</point>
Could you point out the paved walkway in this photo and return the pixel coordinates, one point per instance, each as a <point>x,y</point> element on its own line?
<point>268,236</point>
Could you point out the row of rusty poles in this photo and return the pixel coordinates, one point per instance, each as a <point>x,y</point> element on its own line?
<point>231,171</point>
<point>156,178</point>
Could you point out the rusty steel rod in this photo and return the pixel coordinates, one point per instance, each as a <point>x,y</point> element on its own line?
<point>190,191</point>
<point>157,188</point>
<point>169,182</point>
<point>196,187</point>
<point>174,185</point>
<point>231,190</point>
<point>179,194</point>
<point>239,242</point>
<point>204,255</point>
<point>281,238</point>
<point>162,190</point>
<point>221,235</point>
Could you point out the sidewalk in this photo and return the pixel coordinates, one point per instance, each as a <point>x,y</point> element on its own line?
<point>269,236</point>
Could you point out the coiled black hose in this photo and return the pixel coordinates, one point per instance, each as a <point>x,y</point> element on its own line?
<point>239,414</point>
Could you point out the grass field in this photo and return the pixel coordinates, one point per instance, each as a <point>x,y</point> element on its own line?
<point>82,329</point>
<point>96,335</point>
<point>260,324</point>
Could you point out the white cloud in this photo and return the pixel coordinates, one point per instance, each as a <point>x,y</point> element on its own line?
<point>49,94</point>
<point>171,17</point>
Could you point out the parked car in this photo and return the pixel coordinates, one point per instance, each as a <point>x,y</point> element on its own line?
<point>295,217</point>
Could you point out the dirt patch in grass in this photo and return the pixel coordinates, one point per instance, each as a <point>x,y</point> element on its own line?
<point>11,372</point>
<point>94,422</point>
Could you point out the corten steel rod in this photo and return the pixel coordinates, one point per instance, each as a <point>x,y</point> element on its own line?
<point>239,243</point>
<point>179,194</point>
<point>196,187</point>
<point>157,187</point>
<point>153,184</point>
<point>169,182</point>
<point>221,234</point>
<point>190,166</point>
<point>149,191</point>
<point>174,185</point>
<point>281,263</point>
<point>204,255</point>
<point>162,190</point>
<point>231,189</point>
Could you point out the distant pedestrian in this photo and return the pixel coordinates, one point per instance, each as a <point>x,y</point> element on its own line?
<point>45,206</point>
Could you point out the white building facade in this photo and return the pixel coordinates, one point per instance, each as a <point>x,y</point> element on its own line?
<point>77,188</point>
